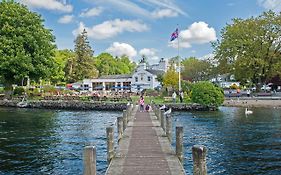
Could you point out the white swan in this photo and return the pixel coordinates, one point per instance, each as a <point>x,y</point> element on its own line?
<point>168,112</point>
<point>248,111</point>
<point>162,107</point>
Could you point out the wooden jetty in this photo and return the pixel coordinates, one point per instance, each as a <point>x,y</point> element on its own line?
<point>144,147</point>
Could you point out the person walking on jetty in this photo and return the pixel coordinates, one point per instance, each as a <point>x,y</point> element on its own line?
<point>141,103</point>
<point>174,97</point>
<point>181,96</point>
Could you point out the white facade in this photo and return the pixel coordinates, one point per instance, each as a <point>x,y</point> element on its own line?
<point>142,78</point>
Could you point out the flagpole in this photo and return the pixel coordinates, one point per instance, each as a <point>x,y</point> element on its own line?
<point>179,60</point>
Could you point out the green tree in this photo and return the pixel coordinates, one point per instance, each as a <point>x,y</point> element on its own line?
<point>83,63</point>
<point>206,93</point>
<point>250,48</point>
<point>61,72</point>
<point>108,65</point>
<point>195,69</point>
<point>27,47</point>
<point>170,78</point>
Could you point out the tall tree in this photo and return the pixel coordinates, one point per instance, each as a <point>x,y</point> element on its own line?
<point>26,46</point>
<point>83,63</point>
<point>250,48</point>
<point>108,65</point>
<point>195,69</point>
<point>61,71</point>
<point>170,78</point>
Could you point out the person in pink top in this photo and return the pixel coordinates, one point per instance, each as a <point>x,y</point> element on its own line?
<point>141,103</point>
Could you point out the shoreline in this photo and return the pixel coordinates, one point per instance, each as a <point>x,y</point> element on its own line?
<point>93,105</point>
<point>253,102</point>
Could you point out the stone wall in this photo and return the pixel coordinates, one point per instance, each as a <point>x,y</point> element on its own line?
<point>87,105</point>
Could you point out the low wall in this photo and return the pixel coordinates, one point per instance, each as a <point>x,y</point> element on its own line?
<point>87,105</point>
<point>73,105</point>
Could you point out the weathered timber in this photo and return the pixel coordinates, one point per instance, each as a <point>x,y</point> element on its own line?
<point>90,160</point>
<point>179,142</point>
<point>144,149</point>
<point>110,144</point>
<point>199,153</point>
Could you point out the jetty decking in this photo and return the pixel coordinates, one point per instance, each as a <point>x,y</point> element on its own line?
<point>144,149</point>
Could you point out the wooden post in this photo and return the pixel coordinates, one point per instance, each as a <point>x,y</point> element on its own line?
<point>199,153</point>
<point>163,120</point>
<point>90,160</point>
<point>124,120</point>
<point>120,128</point>
<point>159,114</point>
<point>179,142</point>
<point>168,127</point>
<point>110,144</point>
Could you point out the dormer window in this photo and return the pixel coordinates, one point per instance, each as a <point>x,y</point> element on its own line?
<point>148,78</point>
<point>136,79</point>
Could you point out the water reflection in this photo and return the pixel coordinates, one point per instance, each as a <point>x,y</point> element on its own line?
<point>51,142</point>
<point>36,141</point>
<point>237,144</point>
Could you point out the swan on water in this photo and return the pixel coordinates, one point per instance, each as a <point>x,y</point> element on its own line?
<point>248,111</point>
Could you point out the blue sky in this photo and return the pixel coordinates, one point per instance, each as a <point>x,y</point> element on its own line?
<point>143,27</point>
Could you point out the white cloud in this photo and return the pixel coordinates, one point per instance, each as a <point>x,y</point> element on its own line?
<point>147,52</point>
<point>197,33</point>
<point>209,56</point>
<point>140,8</point>
<point>274,5</point>
<point>91,12</point>
<point>169,4</point>
<point>120,49</point>
<point>109,29</point>
<point>66,19</point>
<point>55,5</point>
<point>164,13</point>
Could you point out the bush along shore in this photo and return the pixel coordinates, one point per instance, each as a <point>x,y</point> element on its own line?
<point>93,105</point>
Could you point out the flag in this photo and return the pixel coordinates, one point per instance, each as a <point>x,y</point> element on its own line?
<point>174,35</point>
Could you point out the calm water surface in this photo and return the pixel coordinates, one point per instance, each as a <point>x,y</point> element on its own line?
<point>237,144</point>
<point>36,141</point>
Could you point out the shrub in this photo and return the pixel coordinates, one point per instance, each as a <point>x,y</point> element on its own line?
<point>234,86</point>
<point>49,89</point>
<point>206,93</point>
<point>19,91</point>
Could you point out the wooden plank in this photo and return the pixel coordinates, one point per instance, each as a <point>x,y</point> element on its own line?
<point>144,149</point>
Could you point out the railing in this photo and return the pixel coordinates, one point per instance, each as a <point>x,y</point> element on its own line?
<point>199,152</point>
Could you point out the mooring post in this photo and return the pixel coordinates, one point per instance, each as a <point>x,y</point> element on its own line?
<point>159,114</point>
<point>110,144</point>
<point>120,128</point>
<point>179,142</point>
<point>124,120</point>
<point>163,120</point>
<point>90,160</point>
<point>168,127</point>
<point>199,153</point>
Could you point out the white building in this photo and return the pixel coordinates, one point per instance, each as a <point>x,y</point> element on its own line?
<point>143,78</point>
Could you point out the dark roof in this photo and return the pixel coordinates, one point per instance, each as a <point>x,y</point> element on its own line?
<point>155,72</point>
<point>115,76</point>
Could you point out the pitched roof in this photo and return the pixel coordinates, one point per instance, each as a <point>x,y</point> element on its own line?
<point>155,72</point>
<point>115,76</point>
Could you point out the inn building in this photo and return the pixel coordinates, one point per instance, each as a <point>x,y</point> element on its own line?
<point>144,77</point>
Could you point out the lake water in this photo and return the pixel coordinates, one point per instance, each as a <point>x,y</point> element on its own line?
<point>34,141</point>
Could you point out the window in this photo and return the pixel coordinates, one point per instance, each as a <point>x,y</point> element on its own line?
<point>136,79</point>
<point>86,87</point>
<point>148,78</point>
